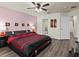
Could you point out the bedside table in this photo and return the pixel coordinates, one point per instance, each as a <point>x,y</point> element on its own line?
<point>3,41</point>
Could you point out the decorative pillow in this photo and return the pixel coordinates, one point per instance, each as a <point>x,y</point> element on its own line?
<point>9,33</point>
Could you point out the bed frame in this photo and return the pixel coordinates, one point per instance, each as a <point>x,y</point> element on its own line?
<point>9,33</point>
<point>19,32</point>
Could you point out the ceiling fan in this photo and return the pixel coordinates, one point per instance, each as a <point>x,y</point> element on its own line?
<point>39,7</point>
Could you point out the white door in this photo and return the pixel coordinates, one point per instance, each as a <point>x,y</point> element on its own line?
<point>64,27</point>
<point>45,26</point>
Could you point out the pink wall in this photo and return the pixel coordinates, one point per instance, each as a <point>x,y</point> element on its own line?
<point>7,15</point>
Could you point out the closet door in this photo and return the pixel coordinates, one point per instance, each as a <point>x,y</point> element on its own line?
<point>45,26</point>
<point>64,27</point>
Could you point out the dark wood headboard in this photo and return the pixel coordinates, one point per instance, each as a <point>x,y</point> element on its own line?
<point>19,32</point>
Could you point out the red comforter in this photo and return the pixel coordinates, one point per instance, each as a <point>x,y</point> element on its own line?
<point>22,42</point>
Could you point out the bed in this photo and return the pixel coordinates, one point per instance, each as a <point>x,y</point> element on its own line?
<point>28,44</point>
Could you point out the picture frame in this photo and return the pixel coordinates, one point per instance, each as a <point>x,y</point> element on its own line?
<point>7,24</point>
<point>28,25</point>
<point>16,24</point>
<point>55,23</point>
<point>23,24</point>
<point>51,23</point>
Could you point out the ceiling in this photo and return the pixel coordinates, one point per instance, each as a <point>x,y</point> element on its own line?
<point>53,8</point>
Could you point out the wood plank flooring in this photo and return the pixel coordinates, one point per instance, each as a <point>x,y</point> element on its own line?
<point>58,48</point>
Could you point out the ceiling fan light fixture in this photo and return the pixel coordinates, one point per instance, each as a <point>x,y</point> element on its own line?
<point>36,9</point>
<point>40,9</point>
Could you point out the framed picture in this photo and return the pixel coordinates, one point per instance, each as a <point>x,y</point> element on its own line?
<point>51,23</point>
<point>28,25</point>
<point>7,24</point>
<point>23,24</point>
<point>55,23</point>
<point>16,24</point>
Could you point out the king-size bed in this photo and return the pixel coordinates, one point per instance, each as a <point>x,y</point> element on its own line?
<point>28,44</point>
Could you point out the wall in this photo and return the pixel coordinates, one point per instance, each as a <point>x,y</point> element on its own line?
<point>78,28</point>
<point>52,32</point>
<point>71,24</point>
<point>75,15</point>
<point>61,32</point>
<point>75,25</point>
<point>7,15</point>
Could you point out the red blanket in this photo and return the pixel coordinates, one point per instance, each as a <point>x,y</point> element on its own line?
<point>25,42</point>
<point>20,41</point>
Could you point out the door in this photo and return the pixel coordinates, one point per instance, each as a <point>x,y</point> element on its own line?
<point>64,27</point>
<point>45,26</point>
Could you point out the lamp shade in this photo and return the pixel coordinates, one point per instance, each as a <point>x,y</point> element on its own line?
<point>2,28</point>
<point>33,29</point>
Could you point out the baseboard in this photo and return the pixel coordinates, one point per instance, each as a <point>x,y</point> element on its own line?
<point>64,39</point>
<point>60,39</point>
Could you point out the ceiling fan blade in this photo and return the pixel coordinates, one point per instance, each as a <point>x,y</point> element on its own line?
<point>31,8</point>
<point>46,5</point>
<point>44,9</point>
<point>38,5</point>
<point>34,3</point>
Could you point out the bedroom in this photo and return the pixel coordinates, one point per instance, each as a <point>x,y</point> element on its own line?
<point>52,28</point>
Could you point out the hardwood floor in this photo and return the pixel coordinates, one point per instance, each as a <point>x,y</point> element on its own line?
<point>7,52</point>
<point>58,48</point>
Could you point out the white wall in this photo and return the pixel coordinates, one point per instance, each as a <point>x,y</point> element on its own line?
<point>57,33</point>
<point>78,29</point>
<point>71,24</point>
<point>75,26</point>
<point>53,32</point>
<point>7,15</point>
<point>75,15</point>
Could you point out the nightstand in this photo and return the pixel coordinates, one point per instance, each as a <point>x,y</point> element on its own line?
<point>3,41</point>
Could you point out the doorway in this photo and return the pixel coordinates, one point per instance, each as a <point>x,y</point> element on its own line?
<point>73,31</point>
<point>45,26</point>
